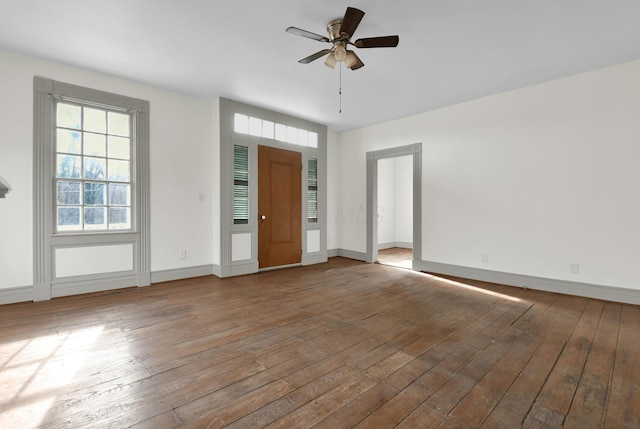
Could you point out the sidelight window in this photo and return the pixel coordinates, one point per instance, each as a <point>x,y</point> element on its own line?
<point>240,185</point>
<point>312,190</point>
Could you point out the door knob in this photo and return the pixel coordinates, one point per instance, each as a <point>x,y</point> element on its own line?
<point>263,217</point>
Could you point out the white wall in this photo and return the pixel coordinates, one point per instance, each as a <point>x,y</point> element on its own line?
<point>181,167</point>
<point>395,201</point>
<point>386,202</point>
<point>537,179</point>
<point>333,191</point>
<point>403,200</point>
<point>216,192</point>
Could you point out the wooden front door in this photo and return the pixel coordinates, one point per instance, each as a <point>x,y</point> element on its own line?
<point>279,207</point>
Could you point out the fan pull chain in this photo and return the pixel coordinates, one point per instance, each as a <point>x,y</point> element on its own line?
<point>340,88</point>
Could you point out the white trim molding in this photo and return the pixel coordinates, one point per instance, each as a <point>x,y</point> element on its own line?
<point>588,290</point>
<point>46,283</point>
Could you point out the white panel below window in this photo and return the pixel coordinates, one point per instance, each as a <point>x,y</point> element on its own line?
<point>240,247</point>
<point>79,261</point>
<point>313,241</point>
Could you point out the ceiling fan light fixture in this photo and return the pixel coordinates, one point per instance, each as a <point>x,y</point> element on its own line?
<point>330,61</point>
<point>350,59</point>
<point>340,52</point>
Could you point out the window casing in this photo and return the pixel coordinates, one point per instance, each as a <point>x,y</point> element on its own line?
<point>93,165</point>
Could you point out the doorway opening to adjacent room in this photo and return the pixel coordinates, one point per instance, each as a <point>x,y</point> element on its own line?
<point>382,166</point>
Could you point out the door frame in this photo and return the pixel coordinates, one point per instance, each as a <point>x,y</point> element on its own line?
<point>235,245</point>
<point>415,150</point>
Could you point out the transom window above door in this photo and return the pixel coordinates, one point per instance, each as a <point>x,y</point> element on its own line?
<point>243,124</point>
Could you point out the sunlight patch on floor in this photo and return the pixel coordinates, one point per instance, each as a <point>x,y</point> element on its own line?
<point>468,287</point>
<point>51,363</point>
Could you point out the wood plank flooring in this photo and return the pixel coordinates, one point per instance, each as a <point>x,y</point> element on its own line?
<point>336,345</point>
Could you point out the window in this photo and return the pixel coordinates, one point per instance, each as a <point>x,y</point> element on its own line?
<point>243,124</point>
<point>240,185</point>
<point>93,180</point>
<point>91,189</point>
<point>312,190</point>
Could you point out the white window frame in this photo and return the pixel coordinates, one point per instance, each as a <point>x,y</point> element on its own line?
<point>46,239</point>
<point>106,181</point>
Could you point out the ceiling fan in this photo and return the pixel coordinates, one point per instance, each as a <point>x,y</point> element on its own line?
<point>340,32</point>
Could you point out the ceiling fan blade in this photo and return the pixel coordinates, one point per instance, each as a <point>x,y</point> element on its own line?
<point>315,56</point>
<point>378,42</point>
<point>307,34</point>
<point>351,20</point>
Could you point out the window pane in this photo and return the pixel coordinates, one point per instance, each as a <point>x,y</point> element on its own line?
<point>119,194</point>
<point>68,116</point>
<point>241,124</point>
<point>312,190</point>
<point>303,136</point>
<point>94,168</point>
<point>68,167</point>
<point>68,193</point>
<point>118,124</point>
<point>240,184</point>
<point>68,141</point>
<point>119,170</point>
<point>267,129</point>
<point>95,144</point>
<point>94,150</point>
<point>95,120</point>
<point>95,194</point>
<point>313,139</point>
<point>281,132</point>
<point>119,217</point>
<point>241,211</point>
<point>69,218</point>
<point>119,147</point>
<point>95,217</point>
<point>240,190</point>
<point>292,135</point>
<point>255,127</point>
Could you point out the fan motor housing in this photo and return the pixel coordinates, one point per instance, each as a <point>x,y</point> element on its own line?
<point>333,28</point>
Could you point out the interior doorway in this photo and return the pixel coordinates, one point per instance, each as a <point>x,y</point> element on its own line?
<point>372,218</point>
<point>395,211</point>
<point>279,207</point>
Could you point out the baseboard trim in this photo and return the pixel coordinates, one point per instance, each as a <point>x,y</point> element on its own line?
<point>608,293</point>
<point>350,254</point>
<point>89,285</point>
<point>392,244</point>
<point>14,295</point>
<point>181,273</point>
<point>588,290</point>
<point>314,258</point>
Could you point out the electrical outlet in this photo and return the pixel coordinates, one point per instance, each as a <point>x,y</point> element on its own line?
<point>574,268</point>
<point>182,255</point>
<point>485,258</point>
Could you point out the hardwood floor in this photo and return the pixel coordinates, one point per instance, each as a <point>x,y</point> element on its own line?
<point>396,257</point>
<point>337,345</point>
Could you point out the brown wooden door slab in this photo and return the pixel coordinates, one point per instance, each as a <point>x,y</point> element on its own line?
<point>279,207</point>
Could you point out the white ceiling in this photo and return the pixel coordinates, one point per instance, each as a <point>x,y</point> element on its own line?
<point>450,51</point>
